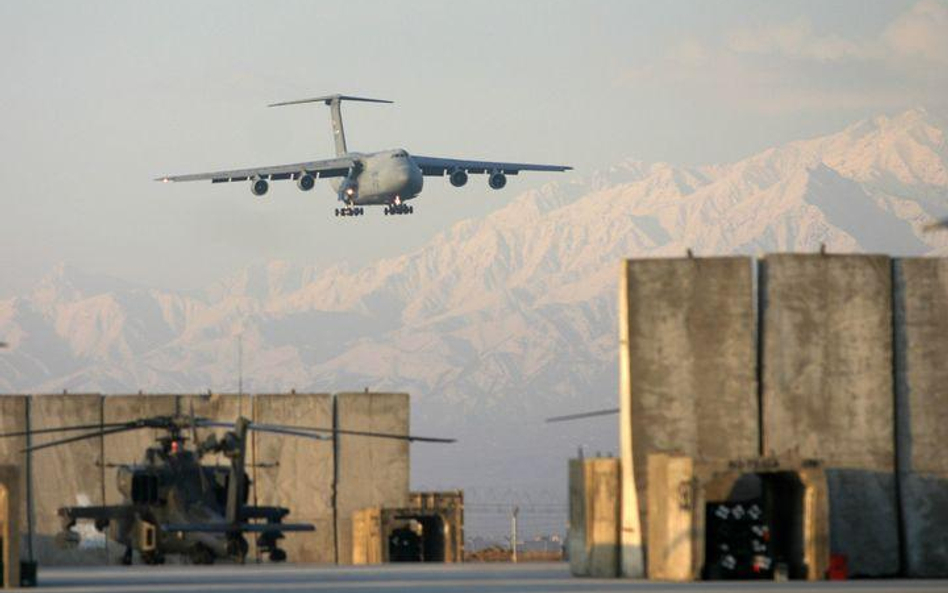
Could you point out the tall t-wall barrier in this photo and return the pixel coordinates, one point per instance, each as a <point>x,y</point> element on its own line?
<point>840,359</point>
<point>320,481</point>
<point>827,391</point>
<point>688,378</point>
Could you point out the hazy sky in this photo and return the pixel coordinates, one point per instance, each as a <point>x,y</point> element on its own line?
<point>100,97</point>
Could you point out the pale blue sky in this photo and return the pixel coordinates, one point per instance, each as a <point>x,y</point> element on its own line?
<point>100,97</point>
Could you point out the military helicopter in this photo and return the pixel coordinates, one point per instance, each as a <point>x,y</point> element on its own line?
<point>174,504</point>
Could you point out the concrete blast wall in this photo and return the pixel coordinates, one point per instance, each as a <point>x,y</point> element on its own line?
<point>370,471</point>
<point>298,473</point>
<point>594,525</point>
<point>687,371</point>
<point>827,391</point>
<point>70,474</point>
<point>297,469</point>
<point>921,347</point>
<point>13,414</point>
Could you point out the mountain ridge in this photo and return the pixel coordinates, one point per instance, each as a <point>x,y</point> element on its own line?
<point>494,318</point>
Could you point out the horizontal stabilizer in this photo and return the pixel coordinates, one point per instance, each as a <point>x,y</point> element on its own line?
<point>235,527</point>
<point>329,99</point>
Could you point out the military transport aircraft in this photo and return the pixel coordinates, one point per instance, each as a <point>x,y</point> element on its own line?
<point>388,178</point>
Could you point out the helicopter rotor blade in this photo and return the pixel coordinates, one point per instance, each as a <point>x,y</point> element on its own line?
<point>21,433</point>
<point>582,415</point>
<point>290,431</point>
<point>90,435</point>
<point>312,431</point>
<point>362,433</point>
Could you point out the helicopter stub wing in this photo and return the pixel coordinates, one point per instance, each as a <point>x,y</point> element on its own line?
<point>101,515</point>
<point>235,527</point>
<point>97,513</point>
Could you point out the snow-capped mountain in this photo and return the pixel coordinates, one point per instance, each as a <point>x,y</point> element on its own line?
<point>496,322</point>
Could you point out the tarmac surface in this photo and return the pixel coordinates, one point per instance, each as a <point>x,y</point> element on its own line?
<point>463,578</point>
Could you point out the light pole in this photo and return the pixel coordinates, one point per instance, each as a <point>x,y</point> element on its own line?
<point>513,533</point>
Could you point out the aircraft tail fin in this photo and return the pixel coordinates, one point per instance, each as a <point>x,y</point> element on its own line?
<point>334,102</point>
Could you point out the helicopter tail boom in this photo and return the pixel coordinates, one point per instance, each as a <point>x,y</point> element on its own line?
<point>235,527</point>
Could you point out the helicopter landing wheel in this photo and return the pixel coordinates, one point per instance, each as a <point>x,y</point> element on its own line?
<point>201,554</point>
<point>153,558</point>
<point>277,555</point>
<point>237,549</point>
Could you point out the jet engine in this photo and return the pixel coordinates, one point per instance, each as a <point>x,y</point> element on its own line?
<point>259,187</point>
<point>458,177</point>
<point>305,182</point>
<point>497,180</point>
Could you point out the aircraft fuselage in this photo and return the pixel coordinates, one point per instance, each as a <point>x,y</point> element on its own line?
<point>384,178</point>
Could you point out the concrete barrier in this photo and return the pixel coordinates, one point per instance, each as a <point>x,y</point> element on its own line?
<point>13,414</point>
<point>68,475</point>
<point>11,503</point>
<point>671,531</point>
<point>688,380</point>
<point>370,471</point>
<point>827,391</point>
<point>594,517</point>
<point>296,472</point>
<point>921,365</point>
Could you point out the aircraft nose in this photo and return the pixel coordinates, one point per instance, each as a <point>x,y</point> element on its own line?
<point>404,174</point>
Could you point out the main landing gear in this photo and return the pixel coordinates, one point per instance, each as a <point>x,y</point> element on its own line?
<point>350,211</point>
<point>399,209</point>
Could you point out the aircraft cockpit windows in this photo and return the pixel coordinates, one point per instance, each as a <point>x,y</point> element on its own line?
<point>399,154</point>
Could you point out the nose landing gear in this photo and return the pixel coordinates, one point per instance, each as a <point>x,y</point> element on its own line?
<point>350,211</point>
<point>399,209</point>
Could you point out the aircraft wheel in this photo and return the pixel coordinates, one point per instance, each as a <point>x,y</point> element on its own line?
<point>411,209</point>
<point>277,555</point>
<point>127,557</point>
<point>386,211</point>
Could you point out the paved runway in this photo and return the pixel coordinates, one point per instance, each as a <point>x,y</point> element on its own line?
<point>460,578</point>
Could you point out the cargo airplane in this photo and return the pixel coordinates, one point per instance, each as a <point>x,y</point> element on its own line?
<point>389,178</point>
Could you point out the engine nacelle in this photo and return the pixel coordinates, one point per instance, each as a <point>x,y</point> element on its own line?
<point>305,182</point>
<point>497,180</point>
<point>458,177</point>
<point>259,187</point>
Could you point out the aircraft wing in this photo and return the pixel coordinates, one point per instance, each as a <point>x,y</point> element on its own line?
<point>436,166</point>
<point>338,167</point>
